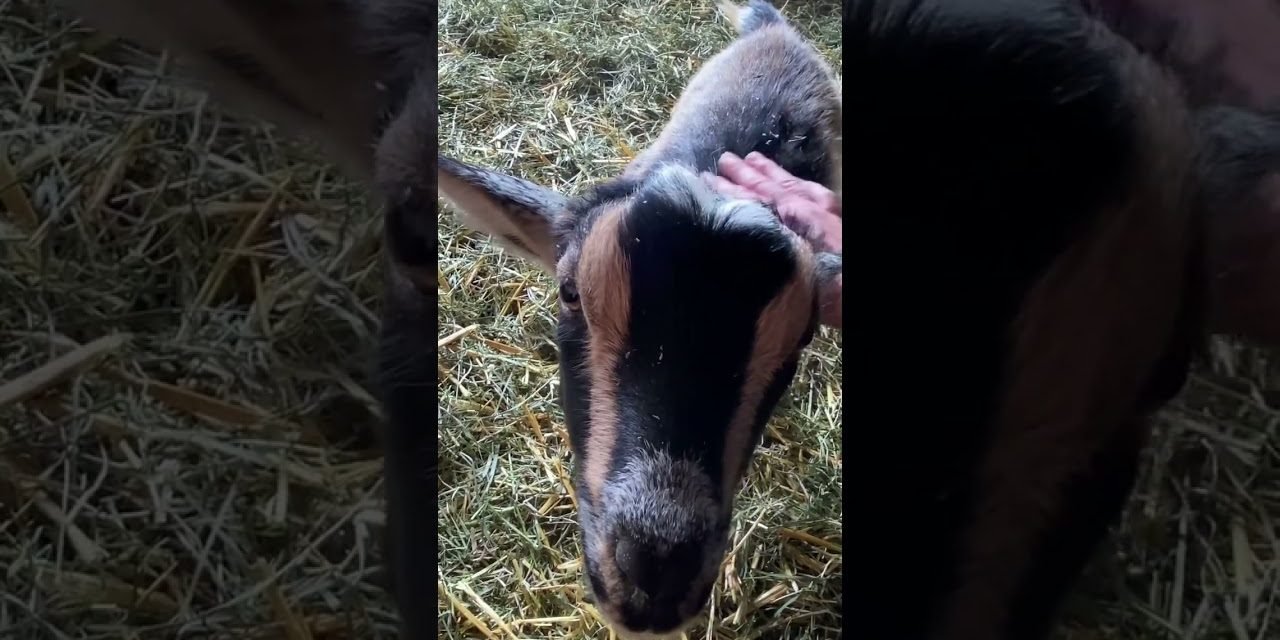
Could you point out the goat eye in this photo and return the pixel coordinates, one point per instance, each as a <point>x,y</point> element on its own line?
<point>569,294</point>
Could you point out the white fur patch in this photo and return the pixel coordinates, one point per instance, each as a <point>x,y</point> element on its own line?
<point>664,500</point>
<point>683,188</point>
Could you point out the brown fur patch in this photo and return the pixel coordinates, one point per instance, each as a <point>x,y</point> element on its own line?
<point>1084,344</point>
<point>778,330</point>
<point>612,581</point>
<point>831,311</point>
<point>604,284</point>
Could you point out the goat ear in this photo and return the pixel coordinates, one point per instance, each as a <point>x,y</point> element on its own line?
<point>1240,165</point>
<point>830,290</point>
<point>1223,51</point>
<point>312,67</point>
<point>519,214</point>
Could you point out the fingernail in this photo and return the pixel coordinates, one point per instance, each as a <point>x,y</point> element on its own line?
<point>755,155</point>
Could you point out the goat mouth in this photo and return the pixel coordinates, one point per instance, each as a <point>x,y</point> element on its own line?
<point>625,633</point>
<point>644,635</point>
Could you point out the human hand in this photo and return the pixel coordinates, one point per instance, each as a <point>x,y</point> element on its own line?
<point>808,207</point>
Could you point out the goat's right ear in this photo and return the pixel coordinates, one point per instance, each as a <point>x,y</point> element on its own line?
<point>519,214</point>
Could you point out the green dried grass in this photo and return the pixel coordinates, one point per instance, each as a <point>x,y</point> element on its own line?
<point>562,93</point>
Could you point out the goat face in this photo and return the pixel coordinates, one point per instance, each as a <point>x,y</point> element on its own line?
<point>681,323</point>
<point>682,316</point>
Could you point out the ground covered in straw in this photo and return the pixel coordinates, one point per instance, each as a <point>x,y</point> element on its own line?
<point>186,305</point>
<point>563,92</point>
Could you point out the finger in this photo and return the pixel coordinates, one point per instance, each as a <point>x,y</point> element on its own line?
<point>729,189</point>
<point>823,230</point>
<point>768,168</point>
<point>821,196</point>
<point>788,183</point>
<point>833,234</point>
<point>744,175</point>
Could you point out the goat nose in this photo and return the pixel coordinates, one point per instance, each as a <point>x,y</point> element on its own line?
<point>638,564</point>
<point>661,576</point>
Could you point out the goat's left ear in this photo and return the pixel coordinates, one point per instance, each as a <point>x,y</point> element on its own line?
<point>830,289</point>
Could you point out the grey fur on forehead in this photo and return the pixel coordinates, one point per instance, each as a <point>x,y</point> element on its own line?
<point>686,190</point>
<point>675,184</point>
<point>662,500</point>
<point>829,265</point>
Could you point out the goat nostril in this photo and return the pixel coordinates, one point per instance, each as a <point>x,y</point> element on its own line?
<point>638,564</point>
<point>665,575</point>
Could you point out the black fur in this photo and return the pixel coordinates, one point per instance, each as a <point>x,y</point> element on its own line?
<point>580,212</point>
<point>682,370</point>
<point>984,137</point>
<point>1090,507</point>
<point>401,36</point>
<point>1239,148</point>
<point>706,338</point>
<point>406,379</point>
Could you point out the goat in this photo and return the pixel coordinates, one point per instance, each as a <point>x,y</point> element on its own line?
<point>346,74</point>
<point>682,314</point>
<point>1043,189</point>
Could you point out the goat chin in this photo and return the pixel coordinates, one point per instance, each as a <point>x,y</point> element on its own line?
<point>632,635</point>
<point>674,634</point>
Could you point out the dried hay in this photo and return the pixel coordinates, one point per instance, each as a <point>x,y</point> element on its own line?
<point>187,305</point>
